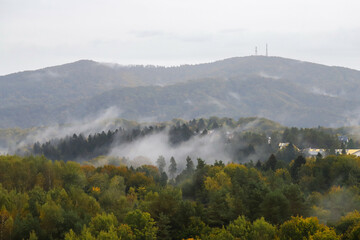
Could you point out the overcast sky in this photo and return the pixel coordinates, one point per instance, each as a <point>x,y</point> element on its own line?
<point>40,33</point>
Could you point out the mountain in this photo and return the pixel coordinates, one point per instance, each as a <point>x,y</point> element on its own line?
<point>276,99</point>
<point>289,91</point>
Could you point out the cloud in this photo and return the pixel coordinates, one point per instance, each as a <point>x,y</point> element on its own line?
<point>44,75</point>
<point>235,96</point>
<point>3,151</point>
<point>265,75</point>
<point>322,92</point>
<point>216,102</point>
<point>210,147</point>
<point>102,121</point>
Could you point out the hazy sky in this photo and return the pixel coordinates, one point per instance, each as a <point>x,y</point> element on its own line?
<point>40,33</point>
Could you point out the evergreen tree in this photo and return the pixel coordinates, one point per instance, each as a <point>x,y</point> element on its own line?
<point>258,165</point>
<point>161,163</point>
<point>295,167</point>
<point>271,163</point>
<point>201,124</point>
<point>201,164</point>
<point>189,165</point>
<point>172,167</point>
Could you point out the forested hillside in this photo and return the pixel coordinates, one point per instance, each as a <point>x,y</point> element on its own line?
<point>223,139</point>
<point>231,181</point>
<point>288,91</point>
<point>305,199</point>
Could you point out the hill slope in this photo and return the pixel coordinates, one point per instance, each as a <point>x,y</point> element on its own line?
<point>276,99</point>
<point>289,91</point>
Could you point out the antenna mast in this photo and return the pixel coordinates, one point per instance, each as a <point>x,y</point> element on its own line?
<point>267,50</point>
<point>255,51</point>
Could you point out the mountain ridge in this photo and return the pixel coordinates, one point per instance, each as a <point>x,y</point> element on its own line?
<point>52,94</point>
<point>175,66</point>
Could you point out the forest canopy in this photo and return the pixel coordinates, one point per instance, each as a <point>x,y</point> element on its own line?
<point>304,199</point>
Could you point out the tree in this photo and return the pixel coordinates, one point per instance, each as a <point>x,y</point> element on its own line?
<point>305,228</point>
<point>189,165</point>
<point>258,165</point>
<point>102,223</point>
<point>142,225</point>
<point>288,153</point>
<point>262,230</point>
<point>296,200</point>
<point>240,228</point>
<point>161,163</point>
<point>172,167</point>
<point>218,234</point>
<point>51,217</point>
<point>295,167</point>
<point>200,164</point>
<point>275,207</point>
<point>164,227</point>
<point>6,224</point>
<point>348,223</point>
<point>163,179</point>
<point>271,163</point>
<point>33,235</point>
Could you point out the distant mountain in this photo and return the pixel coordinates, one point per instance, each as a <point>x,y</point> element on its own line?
<point>276,99</point>
<point>288,91</point>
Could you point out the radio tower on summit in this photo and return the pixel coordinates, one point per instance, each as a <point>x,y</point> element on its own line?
<point>266,50</point>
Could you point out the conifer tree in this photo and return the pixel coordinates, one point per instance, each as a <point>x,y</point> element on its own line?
<point>172,167</point>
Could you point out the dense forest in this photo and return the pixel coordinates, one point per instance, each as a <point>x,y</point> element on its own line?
<point>315,198</point>
<point>61,189</point>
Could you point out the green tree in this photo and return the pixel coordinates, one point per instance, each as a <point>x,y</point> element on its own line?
<point>348,223</point>
<point>164,227</point>
<point>161,163</point>
<point>189,165</point>
<point>6,224</point>
<point>218,234</point>
<point>305,228</point>
<point>271,163</point>
<point>142,225</point>
<point>103,222</point>
<point>33,235</point>
<point>275,207</point>
<point>295,168</point>
<point>51,217</point>
<point>172,167</point>
<point>262,230</point>
<point>240,228</point>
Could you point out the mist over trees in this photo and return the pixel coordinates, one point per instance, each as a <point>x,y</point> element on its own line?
<point>241,141</point>
<point>262,192</point>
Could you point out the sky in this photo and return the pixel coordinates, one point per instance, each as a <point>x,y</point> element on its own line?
<point>40,33</point>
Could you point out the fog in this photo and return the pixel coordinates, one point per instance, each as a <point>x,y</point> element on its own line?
<point>146,149</point>
<point>322,92</point>
<point>95,123</point>
<point>3,151</point>
<point>210,147</point>
<point>335,204</point>
<point>265,75</point>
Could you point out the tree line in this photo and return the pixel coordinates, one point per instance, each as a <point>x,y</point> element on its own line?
<point>240,145</point>
<point>315,198</point>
